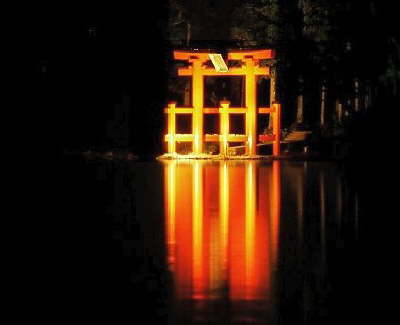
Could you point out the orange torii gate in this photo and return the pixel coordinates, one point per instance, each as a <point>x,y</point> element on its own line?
<point>250,68</point>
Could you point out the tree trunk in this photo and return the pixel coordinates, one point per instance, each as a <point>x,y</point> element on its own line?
<point>188,34</point>
<point>300,106</point>
<point>323,105</point>
<point>356,95</point>
<point>339,111</point>
<point>300,110</point>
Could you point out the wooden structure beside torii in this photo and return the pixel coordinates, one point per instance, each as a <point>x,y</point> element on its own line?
<point>250,69</point>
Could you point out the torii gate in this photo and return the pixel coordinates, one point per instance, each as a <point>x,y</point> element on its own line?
<point>197,70</point>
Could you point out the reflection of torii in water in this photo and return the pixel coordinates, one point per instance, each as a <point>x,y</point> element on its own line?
<point>217,240</point>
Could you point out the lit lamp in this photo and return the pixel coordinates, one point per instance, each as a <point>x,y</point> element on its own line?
<point>218,62</point>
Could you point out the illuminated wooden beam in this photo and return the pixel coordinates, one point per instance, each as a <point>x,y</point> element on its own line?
<point>232,110</point>
<point>251,128</point>
<point>256,54</point>
<point>212,110</point>
<point>224,127</point>
<point>180,110</point>
<point>212,137</point>
<point>184,55</point>
<point>230,138</point>
<point>236,55</point>
<point>266,137</point>
<point>237,138</point>
<point>171,128</point>
<point>232,71</point>
<point>197,100</point>
<point>265,110</point>
<point>180,137</point>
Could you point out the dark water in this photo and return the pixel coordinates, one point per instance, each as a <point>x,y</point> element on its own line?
<point>221,243</point>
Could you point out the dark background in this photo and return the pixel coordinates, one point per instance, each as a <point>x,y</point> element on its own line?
<point>96,78</point>
<point>99,75</point>
<point>99,72</point>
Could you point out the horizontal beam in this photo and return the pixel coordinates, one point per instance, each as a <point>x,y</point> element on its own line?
<point>236,55</point>
<point>181,137</point>
<point>231,72</point>
<point>184,55</point>
<point>208,137</point>
<point>230,138</point>
<point>212,110</point>
<point>180,110</point>
<point>265,110</point>
<point>256,54</point>
<point>266,137</point>
<point>233,110</point>
<point>209,110</point>
<point>237,138</point>
<point>212,138</point>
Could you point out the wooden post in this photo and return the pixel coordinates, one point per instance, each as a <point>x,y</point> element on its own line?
<point>224,126</point>
<point>251,127</point>
<point>197,93</point>
<point>276,147</point>
<point>272,92</point>
<point>171,128</point>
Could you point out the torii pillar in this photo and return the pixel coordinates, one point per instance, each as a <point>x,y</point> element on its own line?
<point>197,100</point>
<point>251,115</point>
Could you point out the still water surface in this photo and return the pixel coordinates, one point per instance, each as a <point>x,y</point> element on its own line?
<point>237,237</point>
<point>226,242</point>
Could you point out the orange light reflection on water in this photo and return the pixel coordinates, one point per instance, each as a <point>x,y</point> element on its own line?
<point>222,223</point>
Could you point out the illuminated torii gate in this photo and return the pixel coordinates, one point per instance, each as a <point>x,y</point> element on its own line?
<point>197,70</point>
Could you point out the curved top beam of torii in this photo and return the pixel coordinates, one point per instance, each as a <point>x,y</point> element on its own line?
<point>259,54</point>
